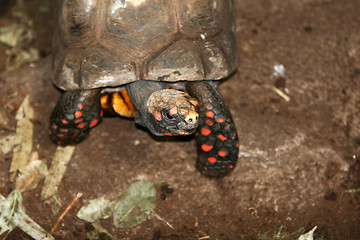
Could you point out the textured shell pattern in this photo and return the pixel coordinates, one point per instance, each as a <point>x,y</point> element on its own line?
<point>106,43</point>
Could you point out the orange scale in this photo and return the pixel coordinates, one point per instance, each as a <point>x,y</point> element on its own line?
<point>212,159</point>
<point>81,125</point>
<point>221,137</point>
<point>210,114</point>
<point>209,122</point>
<point>222,153</point>
<point>220,120</point>
<point>94,122</point>
<point>206,148</point>
<point>205,131</point>
<point>78,114</point>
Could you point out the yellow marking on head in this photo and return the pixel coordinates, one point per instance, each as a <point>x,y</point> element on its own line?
<point>157,116</point>
<point>192,115</point>
<point>194,102</point>
<point>174,110</point>
<point>184,111</point>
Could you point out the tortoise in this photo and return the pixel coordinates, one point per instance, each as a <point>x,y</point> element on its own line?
<point>160,62</point>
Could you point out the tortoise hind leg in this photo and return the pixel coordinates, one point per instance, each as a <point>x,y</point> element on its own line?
<point>73,116</point>
<point>217,139</point>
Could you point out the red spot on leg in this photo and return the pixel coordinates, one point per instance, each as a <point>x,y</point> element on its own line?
<point>206,147</point>
<point>74,136</point>
<point>222,153</point>
<point>233,136</point>
<point>58,143</point>
<point>220,120</point>
<point>221,137</point>
<point>209,122</point>
<point>212,159</point>
<point>78,114</point>
<point>79,120</point>
<point>54,127</point>
<point>210,114</point>
<point>205,131</point>
<point>231,166</point>
<point>94,122</point>
<point>209,107</point>
<point>80,106</point>
<point>81,125</point>
<point>101,113</point>
<point>64,121</point>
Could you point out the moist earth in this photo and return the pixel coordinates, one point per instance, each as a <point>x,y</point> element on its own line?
<point>297,158</point>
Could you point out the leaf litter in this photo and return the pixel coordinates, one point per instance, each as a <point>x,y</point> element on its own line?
<point>59,163</point>
<point>12,214</point>
<point>23,139</point>
<point>129,209</point>
<point>18,35</point>
<point>26,170</point>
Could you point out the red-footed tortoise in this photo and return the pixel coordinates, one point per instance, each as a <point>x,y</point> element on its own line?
<point>164,55</point>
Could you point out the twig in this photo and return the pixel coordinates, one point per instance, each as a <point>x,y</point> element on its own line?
<point>65,212</point>
<point>161,219</point>
<point>7,234</point>
<point>279,92</point>
<point>206,237</point>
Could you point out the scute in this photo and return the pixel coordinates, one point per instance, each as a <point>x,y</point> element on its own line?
<point>101,68</point>
<point>181,61</point>
<point>76,21</point>
<point>101,43</point>
<point>201,17</point>
<point>139,27</point>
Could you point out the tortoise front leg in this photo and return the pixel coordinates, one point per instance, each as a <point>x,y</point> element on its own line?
<point>217,139</point>
<point>73,116</point>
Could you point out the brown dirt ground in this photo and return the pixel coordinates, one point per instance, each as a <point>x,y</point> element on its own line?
<point>296,158</point>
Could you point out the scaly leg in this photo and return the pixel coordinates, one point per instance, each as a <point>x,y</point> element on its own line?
<point>217,139</point>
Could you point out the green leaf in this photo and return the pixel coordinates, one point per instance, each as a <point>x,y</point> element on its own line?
<point>134,204</point>
<point>11,211</point>
<point>100,208</point>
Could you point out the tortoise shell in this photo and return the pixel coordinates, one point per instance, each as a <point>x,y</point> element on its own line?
<point>107,43</point>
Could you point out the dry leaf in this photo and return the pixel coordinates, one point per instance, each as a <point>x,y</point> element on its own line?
<point>23,139</point>
<point>12,214</point>
<point>60,161</point>
<point>7,143</point>
<point>33,173</point>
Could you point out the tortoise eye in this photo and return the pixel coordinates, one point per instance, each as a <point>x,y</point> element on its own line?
<point>169,116</point>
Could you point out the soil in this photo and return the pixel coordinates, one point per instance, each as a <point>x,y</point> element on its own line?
<point>297,158</point>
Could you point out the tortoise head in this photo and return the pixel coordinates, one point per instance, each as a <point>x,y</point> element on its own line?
<point>172,112</point>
